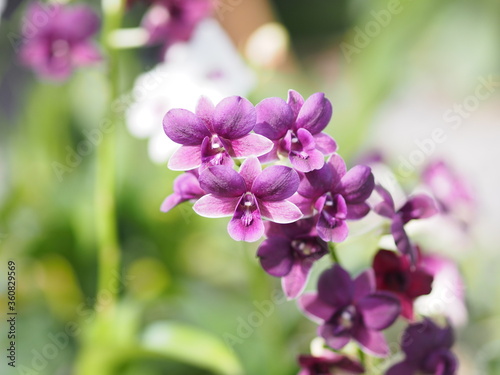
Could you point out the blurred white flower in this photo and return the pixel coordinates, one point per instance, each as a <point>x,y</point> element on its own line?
<point>448,291</point>
<point>207,65</point>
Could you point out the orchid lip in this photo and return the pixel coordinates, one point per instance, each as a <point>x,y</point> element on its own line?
<point>307,247</point>
<point>347,316</point>
<point>216,144</point>
<point>60,47</point>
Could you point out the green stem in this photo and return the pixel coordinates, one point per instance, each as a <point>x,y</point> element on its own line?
<point>362,357</point>
<point>107,236</point>
<point>333,253</point>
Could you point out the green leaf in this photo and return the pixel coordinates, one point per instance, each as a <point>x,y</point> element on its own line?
<point>191,345</point>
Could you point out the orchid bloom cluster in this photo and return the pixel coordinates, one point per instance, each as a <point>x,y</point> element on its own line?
<point>55,47</point>
<point>57,38</point>
<point>276,174</point>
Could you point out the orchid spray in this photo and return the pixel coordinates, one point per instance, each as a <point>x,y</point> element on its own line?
<point>273,171</point>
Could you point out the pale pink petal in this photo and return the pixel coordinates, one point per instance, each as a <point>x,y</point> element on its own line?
<point>215,207</point>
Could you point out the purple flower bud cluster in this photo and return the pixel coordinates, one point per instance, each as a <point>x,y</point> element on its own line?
<point>272,170</point>
<point>58,38</point>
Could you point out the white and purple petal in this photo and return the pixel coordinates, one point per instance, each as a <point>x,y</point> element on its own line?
<point>281,212</point>
<point>246,224</point>
<point>215,207</point>
<point>250,145</point>
<point>185,158</point>
<point>364,284</point>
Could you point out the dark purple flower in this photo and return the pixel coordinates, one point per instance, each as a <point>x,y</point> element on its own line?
<point>186,187</point>
<point>353,309</point>
<point>427,348</point>
<point>328,363</point>
<point>290,251</point>
<point>451,192</point>
<point>249,196</point>
<point>54,48</point>
<point>395,273</point>
<point>172,21</point>
<point>419,206</point>
<point>338,195</point>
<point>214,135</point>
<point>295,128</point>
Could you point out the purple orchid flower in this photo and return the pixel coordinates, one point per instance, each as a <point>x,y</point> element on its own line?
<point>290,251</point>
<point>186,187</point>
<point>295,128</point>
<point>427,348</point>
<point>172,21</point>
<point>328,363</point>
<point>64,42</point>
<point>453,195</point>
<point>214,135</point>
<point>337,194</point>
<point>353,309</point>
<point>419,206</point>
<point>249,196</point>
<point>395,273</point>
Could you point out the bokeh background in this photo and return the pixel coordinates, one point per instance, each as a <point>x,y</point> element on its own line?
<point>190,299</point>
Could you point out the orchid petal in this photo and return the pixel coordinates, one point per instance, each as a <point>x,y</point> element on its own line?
<point>274,118</point>
<point>276,183</point>
<point>295,281</point>
<point>234,117</point>
<point>295,101</point>
<point>184,127</point>
<point>222,181</point>
<point>419,206</point>
<point>314,308</point>
<point>282,212</point>
<point>379,310</point>
<point>335,287</point>
<point>215,207</point>
<point>325,144</point>
<point>249,170</point>
<point>205,111</point>
<point>315,114</point>
<point>276,256</point>
<point>185,158</point>
<point>357,184</point>
<point>246,226</point>
<point>250,145</point>
<point>364,284</point>
<point>372,342</point>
